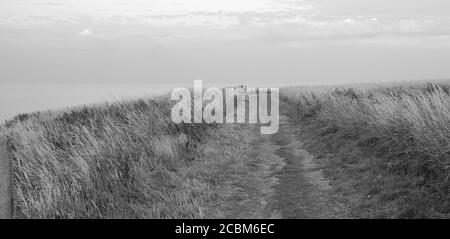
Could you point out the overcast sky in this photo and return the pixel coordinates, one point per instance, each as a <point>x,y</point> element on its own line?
<point>287,42</point>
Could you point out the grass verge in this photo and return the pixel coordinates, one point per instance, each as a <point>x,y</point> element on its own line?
<point>120,160</point>
<point>386,150</point>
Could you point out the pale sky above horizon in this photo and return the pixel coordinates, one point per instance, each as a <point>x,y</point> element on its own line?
<point>265,42</point>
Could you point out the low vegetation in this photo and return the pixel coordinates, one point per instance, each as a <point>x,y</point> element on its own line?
<point>387,150</point>
<point>120,160</point>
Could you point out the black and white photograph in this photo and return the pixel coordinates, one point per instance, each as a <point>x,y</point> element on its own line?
<point>224,109</point>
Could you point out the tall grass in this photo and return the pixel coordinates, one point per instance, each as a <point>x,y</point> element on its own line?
<point>407,127</point>
<point>126,160</point>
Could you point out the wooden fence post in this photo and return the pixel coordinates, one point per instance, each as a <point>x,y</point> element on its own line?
<point>5,181</point>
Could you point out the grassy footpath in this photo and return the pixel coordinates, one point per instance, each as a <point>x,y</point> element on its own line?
<point>386,151</point>
<point>121,160</point>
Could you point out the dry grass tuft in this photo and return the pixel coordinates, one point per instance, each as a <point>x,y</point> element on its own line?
<point>391,145</point>
<point>124,160</point>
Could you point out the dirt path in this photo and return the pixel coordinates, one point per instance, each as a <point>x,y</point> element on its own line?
<point>282,180</point>
<point>303,192</point>
<point>5,183</point>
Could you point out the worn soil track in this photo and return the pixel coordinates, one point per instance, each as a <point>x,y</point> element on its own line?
<point>283,180</point>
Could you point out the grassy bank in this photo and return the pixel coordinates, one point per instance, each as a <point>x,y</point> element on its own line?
<point>386,150</point>
<point>120,160</point>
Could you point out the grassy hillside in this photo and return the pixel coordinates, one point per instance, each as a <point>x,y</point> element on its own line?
<point>120,160</point>
<point>387,150</point>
